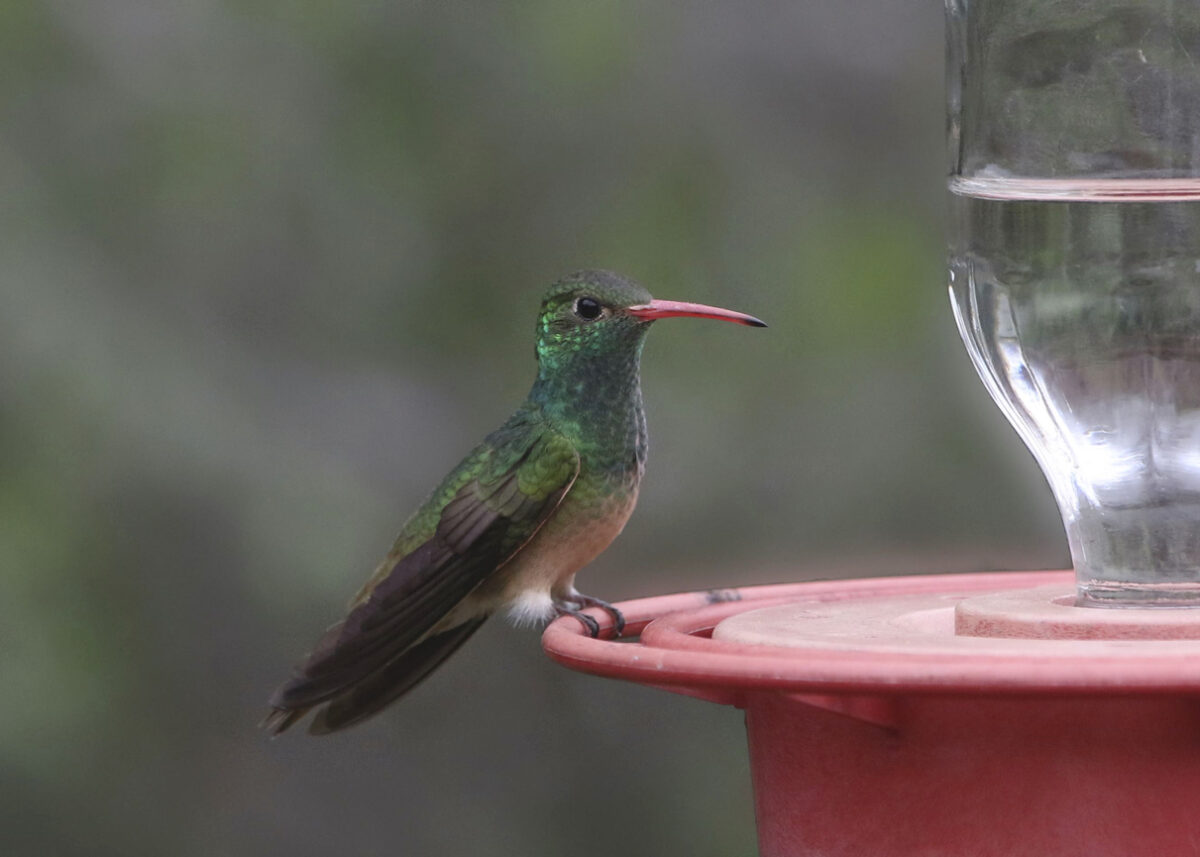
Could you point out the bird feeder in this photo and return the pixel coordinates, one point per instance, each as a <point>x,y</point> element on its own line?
<point>1022,713</point>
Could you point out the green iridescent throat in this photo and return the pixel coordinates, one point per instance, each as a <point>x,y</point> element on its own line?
<point>588,387</point>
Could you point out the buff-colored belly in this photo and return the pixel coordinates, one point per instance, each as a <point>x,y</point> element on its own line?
<point>544,570</point>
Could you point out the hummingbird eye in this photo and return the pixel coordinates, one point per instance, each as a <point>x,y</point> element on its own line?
<point>588,308</point>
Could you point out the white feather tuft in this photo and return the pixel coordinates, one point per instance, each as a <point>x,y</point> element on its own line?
<point>531,608</point>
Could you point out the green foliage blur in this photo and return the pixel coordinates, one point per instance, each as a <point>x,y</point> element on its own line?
<point>269,268</point>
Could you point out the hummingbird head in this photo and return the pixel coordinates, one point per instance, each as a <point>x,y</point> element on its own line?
<point>597,313</point>
<point>589,344</point>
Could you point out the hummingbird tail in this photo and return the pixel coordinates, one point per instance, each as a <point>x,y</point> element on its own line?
<point>279,720</point>
<point>379,689</point>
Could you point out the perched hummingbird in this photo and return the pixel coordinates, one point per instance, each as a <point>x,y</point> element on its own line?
<point>538,500</point>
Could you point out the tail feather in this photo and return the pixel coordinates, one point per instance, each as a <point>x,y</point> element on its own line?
<point>372,695</point>
<point>379,689</point>
<point>279,720</point>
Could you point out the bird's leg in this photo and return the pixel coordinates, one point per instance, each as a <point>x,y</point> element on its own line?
<point>577,600</point>
<point>617,617</point>
<point>567,608</point>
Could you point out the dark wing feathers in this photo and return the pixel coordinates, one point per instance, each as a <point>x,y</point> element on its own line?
<point>380,649</point>
<point>397,678</point>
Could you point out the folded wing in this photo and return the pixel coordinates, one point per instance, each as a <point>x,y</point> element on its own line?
<point>481,517</point>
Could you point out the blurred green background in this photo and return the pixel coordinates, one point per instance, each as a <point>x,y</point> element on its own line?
<point>270,268</point>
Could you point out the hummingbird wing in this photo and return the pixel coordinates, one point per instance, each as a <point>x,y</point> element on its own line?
<point>484,512</point>
<point>384,686</point>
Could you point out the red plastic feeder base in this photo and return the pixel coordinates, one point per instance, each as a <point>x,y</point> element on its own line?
<point>978,715</point>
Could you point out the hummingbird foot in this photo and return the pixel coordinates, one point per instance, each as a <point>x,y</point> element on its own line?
<point>579,602</point>
<point>589,624</point>
<point>617,617</point>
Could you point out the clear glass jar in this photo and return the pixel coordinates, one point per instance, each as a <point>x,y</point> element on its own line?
<point>1074,143</point>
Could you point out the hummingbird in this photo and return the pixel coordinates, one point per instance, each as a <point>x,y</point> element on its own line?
<point>509,527</point>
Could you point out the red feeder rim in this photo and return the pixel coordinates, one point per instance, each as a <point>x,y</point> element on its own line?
<point>886,636</point>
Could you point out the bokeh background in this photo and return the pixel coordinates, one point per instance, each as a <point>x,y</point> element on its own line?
<point>268,269</point>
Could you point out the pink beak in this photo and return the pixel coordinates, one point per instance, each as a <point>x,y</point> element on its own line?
<point>669,309</point>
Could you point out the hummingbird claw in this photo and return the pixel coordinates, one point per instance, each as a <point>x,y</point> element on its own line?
<point>617,617</point>
<point>590,625</point>
<point>578,602</point>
